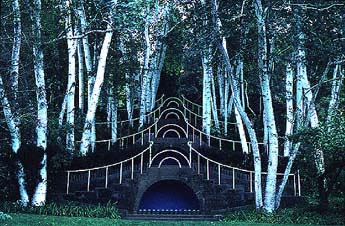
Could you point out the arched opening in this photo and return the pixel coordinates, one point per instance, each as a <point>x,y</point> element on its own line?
<point>171,195</point>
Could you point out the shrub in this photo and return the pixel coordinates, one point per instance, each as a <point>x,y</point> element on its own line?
<point>69,209</point>
<point>4,216</point>
<point>288,216</point>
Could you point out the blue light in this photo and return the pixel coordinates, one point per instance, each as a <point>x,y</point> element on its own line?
<point>169,194</point>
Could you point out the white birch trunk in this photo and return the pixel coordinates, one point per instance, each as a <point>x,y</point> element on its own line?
<point>249,126</point>
<point>214,106</point>
<point>13,127</point>
<point>241,131</point>
<point>114,116</point>
<point>70,108</point>
<point>109,102</point>
<point>300,70</point>
<point>160,57</point>
<point>146,74</point>
<point>39,196</point>
<point>11,118</point>
<point>14,68</point>
<point>228,100</point>
<point>335,91</point>
<point>289,109</point>
<point>206,100</point>
<point>221,88</point>
<point>129,99</point>
<point>63,110</point>
<point>88,64</point>
<point>90,116</point>
<point>239,123</point>
<point>80,77</point>
<point>271,181</point>
<point>128,86</point>
<point>314,121</point>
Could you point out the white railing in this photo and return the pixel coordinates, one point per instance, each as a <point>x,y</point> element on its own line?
<point>132,138</point>
<point>207,138</point>
<point>160,101</point>
<point>198,114</point>
<point>232,172</point>
<point>104,171</point>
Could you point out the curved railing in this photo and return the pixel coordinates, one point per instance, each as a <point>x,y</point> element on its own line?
<point>160,101</point>
<point>191,106</point>
<point>105,171</point>
<point>132,138</point>
<point>235,174</point>
<point>208,138</point>
<point>212,140</point>
<point>212,169</point>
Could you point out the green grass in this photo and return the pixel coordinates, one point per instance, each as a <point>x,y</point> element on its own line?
<point>42,220</point>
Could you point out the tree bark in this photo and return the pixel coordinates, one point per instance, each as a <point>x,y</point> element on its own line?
<point>90,116</point>
<point>270,190</point>
<point>289,109</point>
<point>71,45</point>
<point>145,78</point>
<point>39,196</point>
<point>245,118</point>
<point>14,68</point>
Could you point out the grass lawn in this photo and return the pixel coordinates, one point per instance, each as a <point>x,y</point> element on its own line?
<point>40,220</point>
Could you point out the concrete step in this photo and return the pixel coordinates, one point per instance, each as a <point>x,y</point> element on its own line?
<point>173,217</point>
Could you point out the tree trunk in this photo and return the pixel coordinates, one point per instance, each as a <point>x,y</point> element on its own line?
<point>335,91</point>
<point>242,134</point>
<point>90,116</point>
<point>129,86</point>
<point>289,109</point>
<point>245,118</point>
<point>39,196</point>
<point>71,45</point>
<point>270,190</point>
<point>81,99</point>
<point>145,79</point>
<point>88,64</point>
<point>14,68</point>
<point>214,106</point>
<point>206,100</point>
<point>13,127</point>
<point>114,116</point>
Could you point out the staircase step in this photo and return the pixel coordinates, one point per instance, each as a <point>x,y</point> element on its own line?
<point>173,217</point>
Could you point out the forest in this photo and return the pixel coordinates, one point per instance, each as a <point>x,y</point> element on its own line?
<point>77,75</point>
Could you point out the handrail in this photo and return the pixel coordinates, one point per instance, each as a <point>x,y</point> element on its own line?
<point>224,165</point>
<point>124,109</point>
<point>215,137</point>
<point>142,131</point>
<point>111,165</point>
<point>137,118</point>
<point>199,116</point>
<point>199,106</point>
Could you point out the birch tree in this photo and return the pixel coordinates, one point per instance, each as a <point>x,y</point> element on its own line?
<point>129,85</point>
<point>90,116</point>
<point>13,126</point>
<point>80,11</point>
<point>207,75</point>
<point>145,77</point>
<point>12,117</point>
<point>289,109</point>
<point>72,46</point>
<point>270,190</point>
<point>244,116</point>
<point>39,196</point>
